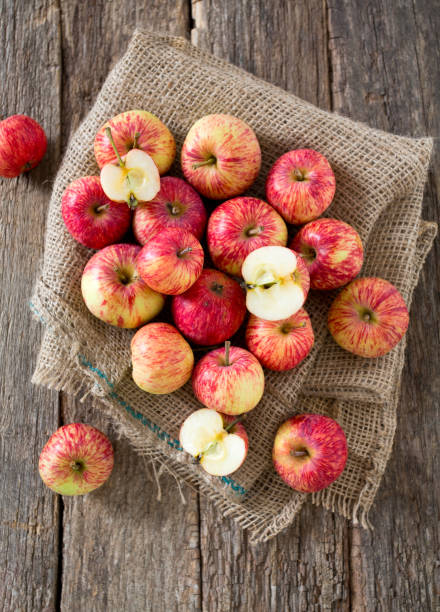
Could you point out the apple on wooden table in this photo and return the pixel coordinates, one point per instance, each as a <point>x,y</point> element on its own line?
<point>23,144</point>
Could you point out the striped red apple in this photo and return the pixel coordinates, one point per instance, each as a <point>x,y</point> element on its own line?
<point>23,144</point>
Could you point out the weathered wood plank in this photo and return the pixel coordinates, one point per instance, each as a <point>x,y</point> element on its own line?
<point>29,516</point>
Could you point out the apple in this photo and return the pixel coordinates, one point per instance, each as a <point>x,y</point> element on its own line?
<point>218,442</point>
<point>76,459</point>
<point>229,379</point>
<point>171,261</point>
<point>221,156</point>
<point>369,317</point>
<point>273,290</point>
<point>162,359</point>
<point>300,185</point>
<point>113,290</point>
<point>91,218</point>
<point>23,143</point>
<point>332,251</point>
<point>177,204</point>
<point>309,452</point>
<point>136,129</point>
<point>240,226</point>
<point>212,310</point>
<point>280,345</point>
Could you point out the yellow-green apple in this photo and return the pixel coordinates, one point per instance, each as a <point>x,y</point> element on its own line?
<point>113,290</point>
<point>23,143</point>
<point>221,156</point>
<point>162,359</point>
<point>212,310</point>
<point>229,379</point>
<point>76,459</point>
<point>171,261</point>
<point>300,185</point>
<point>136,129</point>
<point>280,345</point>
<point>332,251</point>
<point>132,179</point>
<point>309,452</point>
<point>90,216</point>
<point>274,292</point>
<point>217,441</point>
<point>369,317</point>
<point>239,226</point>
<point>177,204</point>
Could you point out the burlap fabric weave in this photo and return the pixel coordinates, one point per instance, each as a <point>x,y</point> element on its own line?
<point>380,179</point>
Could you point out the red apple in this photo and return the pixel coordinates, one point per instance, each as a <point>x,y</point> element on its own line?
<point>332,251</point>
<point>113,290</point>
<point>309,452</point>
<point>23,143</point>
<point>240,226</point>
<point>77,459</point>
<point>229,379</point>
<point>280,345</point>
<point>300,185</point>
<point>368,318</point>
<point>91,218</point>
<point>136,129</point>
<point>176,205</point>
<point>212,310</point>
<point>221,156</point>
<point>171,261</point>
<point>162,359</point>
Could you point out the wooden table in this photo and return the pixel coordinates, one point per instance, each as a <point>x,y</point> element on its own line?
<point>120,548</point>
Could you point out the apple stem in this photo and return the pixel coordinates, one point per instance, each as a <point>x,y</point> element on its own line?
<point>132,202</point>
<point>367,317</point>
<point>300,453</point>
<point>208,162</point>
<point>254,231</point>
<point>112,142</point>
<point>227,346</point>
<point>101,208</point>
<point>174,210</point>
<point>76,465</point>
<point>135,141</point>
<point>231,425</point>
<point>184,251</point>
<point>298,174</point>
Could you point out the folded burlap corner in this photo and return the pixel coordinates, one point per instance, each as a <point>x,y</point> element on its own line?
<point>380,179</point>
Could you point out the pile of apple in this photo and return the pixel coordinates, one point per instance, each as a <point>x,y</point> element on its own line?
<point>125,283</point>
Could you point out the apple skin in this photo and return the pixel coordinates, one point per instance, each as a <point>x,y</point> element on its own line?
<point>235,153</point>
<point>77,446</point>
<point>238,428</point>
<point>229,241</point>
<point>90,216</point>
<point>162,359</point>
<point>165,266</point>
<point>23,144</point>
<point>176,205</point>
<point>332,251</point>
<point>280,345</point>
<point>154,138</point>
<point>369,317</point>
<point>113,290</point>
<point>232,388</point>
<point>212,310</point>
<point>304,198</point>
<point>301,274</point>
<point>325,444</point>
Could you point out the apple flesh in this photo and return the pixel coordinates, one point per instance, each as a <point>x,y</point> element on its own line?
<point>229,379</point>
<point>76,459</point>
<point>221,156</point>
<point>218,442</point>
<point>240,226</point>
<point>369,317</point>
<point>136,129</point>
<point>273,291</point>
<point>90,216</point>
<point>162,359</point>
<point>176,204</point>
<point>300,185</point>
<point>309,452</point>
<point>332,251</point>
<point>280,345</point>
<point>23,144</point>
<point>212,310</point>
<point>171,261</point>
<point>113,290</point>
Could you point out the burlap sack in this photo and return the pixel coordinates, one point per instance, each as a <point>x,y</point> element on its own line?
<point>380,180</point>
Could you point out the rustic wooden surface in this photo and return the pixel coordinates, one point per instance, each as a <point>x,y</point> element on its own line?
<point>119,549</point>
